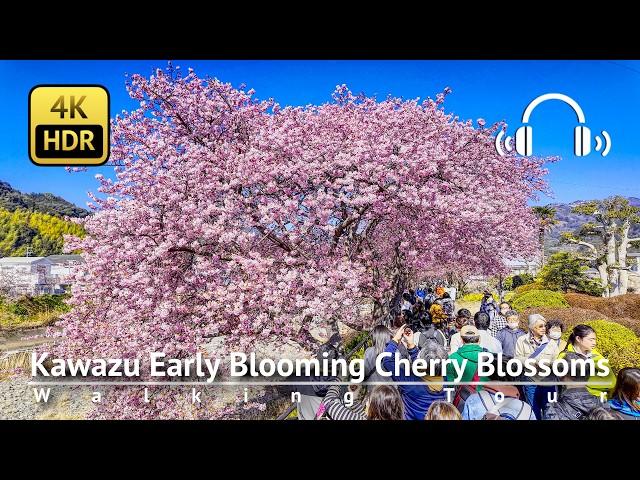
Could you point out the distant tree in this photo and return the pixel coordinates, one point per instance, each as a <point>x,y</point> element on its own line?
<point>610,220</point>
<point>566,271</point>
<point>515,281</point>
<point>547,219</point>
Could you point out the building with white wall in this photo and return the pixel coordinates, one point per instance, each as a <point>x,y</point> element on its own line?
<point>26,276</point>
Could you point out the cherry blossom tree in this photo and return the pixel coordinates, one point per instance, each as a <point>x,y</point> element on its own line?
<point>237,217</point>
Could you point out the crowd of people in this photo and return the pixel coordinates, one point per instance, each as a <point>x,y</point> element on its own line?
<point>429,328</point>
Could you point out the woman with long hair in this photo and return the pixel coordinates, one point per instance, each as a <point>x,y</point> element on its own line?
<point>385,403</point>
<point>582,341</point>
<point>625,399</point>
<point>380,336</point>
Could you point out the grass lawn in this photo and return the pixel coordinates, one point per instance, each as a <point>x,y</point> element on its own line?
<point>9,321</point>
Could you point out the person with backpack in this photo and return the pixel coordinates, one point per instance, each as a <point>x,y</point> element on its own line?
<point>441,410</point>
<point>423,391</point>
<point>469,351</point>
<point>488,306</point>
<point>625,400</point>
<point>508,336</point>
<point>536,345</point>
<point>429,332</point>
<point>313,389</point>
<point>423,329</point>
<point>489,343</point>
<point>575,402</point>
<point>484,405</point>
<point>582,341</point>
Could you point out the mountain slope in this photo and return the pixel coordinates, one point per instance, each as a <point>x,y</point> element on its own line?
<point>570,222</point>
<point>39,232</point>
<point>12,199</point>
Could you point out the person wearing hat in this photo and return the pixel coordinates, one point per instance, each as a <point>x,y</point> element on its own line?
<point>536,345</point>
<point>487,341</point>
<point>469,351</point>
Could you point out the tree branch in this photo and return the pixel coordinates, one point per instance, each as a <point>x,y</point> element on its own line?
<point>584,244</point>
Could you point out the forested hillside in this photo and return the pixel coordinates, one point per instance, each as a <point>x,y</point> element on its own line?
<point>42,232</point>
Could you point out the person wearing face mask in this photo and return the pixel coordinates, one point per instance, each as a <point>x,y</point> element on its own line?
<point>499,321</point>
<point>555,329</point>
<point>626,396</point>
<point>535,345</point>
<point>582,341</point>
<point>508,336</point>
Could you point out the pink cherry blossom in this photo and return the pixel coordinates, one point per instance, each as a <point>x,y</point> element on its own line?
<point>233,216</point>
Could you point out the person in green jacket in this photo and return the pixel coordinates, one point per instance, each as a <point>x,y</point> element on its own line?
<point>583,341</point>
<point>469,351</point>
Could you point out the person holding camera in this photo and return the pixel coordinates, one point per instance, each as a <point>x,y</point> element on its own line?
<point>418,396</point>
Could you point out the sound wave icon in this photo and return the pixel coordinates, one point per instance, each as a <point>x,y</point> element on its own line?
<point>607,142</point>
<point>508,143</point>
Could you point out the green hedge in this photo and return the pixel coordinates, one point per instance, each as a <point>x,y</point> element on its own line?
<point>538,298</point>
<point>616,343</point>
<point>477,297</point>
<point>528,287</point>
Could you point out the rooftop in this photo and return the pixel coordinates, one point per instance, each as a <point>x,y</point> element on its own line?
<point>13,260</point>
<point>64,258</point>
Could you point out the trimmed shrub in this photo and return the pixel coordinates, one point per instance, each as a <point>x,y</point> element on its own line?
<point>538,298</point>
<point>625,357</point>
<point>615,342</point>
<point>509,296</point>
<point>528,287</point>
<point>621,306</point>
<point>477,297</point>
<point>573,316</point>
<point>570,316</point>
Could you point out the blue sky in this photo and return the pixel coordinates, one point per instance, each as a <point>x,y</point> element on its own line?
<point>607,91</point>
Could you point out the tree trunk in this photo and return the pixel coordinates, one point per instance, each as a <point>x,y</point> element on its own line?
<point>541,238</point>
<point>604,279</point>
<point>622,257</point>
<point>610,241</point>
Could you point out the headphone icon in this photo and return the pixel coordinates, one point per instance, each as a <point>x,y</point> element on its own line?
<point>581,136</point>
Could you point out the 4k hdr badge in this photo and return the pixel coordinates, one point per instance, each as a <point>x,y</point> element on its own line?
<point>69,125</point>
